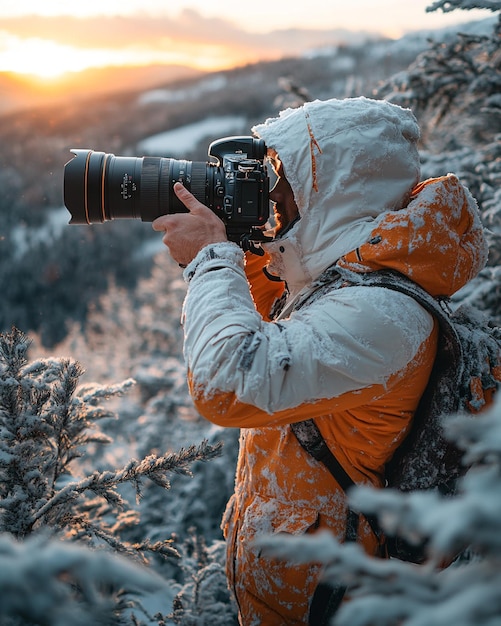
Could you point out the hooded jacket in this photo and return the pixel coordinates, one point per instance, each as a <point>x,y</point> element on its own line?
<point>355,359</point>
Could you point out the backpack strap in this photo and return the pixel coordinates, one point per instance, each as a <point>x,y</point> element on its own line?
<point>326,599</point>
<point>310,438</point>
<point>435,462</point>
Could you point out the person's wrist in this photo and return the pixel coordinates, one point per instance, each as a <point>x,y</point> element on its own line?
<point>214,256</point>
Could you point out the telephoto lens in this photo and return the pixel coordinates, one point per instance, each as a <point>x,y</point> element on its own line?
<point>99,187</point>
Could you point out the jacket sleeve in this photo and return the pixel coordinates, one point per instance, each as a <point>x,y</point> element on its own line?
<point>246,372</point>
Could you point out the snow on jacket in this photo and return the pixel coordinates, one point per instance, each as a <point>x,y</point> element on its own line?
<point>356,359</point>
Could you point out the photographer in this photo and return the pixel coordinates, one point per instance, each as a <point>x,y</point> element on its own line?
<point>263,354</point>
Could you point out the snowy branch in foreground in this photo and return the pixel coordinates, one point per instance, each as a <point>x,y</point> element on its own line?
<point>47,423</point>
<point>50,583</point>
<point>392,592</point>
<point>472,518</point>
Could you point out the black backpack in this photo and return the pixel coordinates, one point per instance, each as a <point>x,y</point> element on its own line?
<point>466,371</point>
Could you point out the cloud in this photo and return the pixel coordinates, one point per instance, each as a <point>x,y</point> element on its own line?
<point>188,29</point>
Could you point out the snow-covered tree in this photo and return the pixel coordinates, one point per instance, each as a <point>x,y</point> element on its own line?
<point>46,424</point>
<point>205,599</point>
<point>455,78</point>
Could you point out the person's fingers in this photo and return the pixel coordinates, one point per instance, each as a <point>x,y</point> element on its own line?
<point>186,197</point>
<point>160,223</point>
<point>194,206</point>
<point>189,200</point>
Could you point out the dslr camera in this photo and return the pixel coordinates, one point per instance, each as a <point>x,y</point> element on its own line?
<point>99,187</point>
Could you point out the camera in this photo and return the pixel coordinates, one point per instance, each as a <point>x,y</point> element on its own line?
<point>99,187</point>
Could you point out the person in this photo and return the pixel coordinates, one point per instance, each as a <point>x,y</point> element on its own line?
<point>262,354</point>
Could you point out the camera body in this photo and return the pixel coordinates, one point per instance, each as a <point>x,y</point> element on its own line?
<point>99,187</point>
<point>240,195</point>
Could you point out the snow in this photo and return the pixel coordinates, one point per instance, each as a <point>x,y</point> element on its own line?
<point>207,85</point>
<point>179,141</point>
<point>24,237</point>
<point>37,587</point>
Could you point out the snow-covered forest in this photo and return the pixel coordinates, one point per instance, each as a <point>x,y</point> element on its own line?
<point>111,486</point>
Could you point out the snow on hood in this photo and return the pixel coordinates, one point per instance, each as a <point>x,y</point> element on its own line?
<point>347,162</point>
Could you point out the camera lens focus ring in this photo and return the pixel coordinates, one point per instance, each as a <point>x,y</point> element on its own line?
<point>150,178</point>
<point>198,181</point>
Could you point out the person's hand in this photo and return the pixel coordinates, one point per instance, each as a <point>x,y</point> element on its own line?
<point>187,233</point>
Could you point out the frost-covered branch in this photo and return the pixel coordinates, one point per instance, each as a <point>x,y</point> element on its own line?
<point>51,583</point>
<point>46,423</point>
<point>205,599</point>
<point>104,484</point>
<point>44,426</point>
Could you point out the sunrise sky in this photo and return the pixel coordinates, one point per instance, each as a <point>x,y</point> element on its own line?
<point>50,37</point>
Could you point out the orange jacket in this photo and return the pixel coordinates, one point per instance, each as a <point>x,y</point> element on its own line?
<point>356,359</point>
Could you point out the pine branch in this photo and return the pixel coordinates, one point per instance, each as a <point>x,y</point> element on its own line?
<point>93,393</point>
<point>103,483</point>
<point>162,548</point>
<point>13,351</point>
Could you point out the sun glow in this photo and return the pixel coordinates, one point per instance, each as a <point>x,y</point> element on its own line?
<point>49,60</point>
<point>42,58</point>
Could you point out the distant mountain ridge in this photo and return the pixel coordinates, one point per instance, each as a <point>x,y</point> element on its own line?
<point>18,91</point>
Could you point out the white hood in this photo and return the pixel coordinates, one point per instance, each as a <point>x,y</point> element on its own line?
<point>348,161</point>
